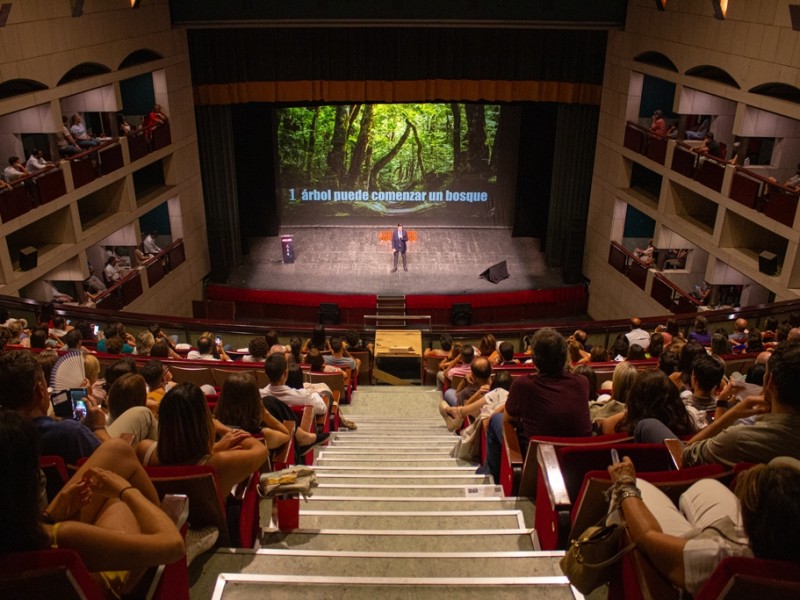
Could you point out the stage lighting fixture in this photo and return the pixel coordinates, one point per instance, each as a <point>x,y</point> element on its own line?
<point>4,10</point>
<point>720,8</point>
<point>661,5</point>
<point>77,7</point>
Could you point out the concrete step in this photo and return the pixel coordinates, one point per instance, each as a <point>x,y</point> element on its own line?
<point>410,519</point>
<point>340,451</point>
<point>377,490</point>
<point>303,587</point>
<point>409,503</point>
<point>390,471</point>
<point>503,540</point>
<point>378,461</point>
<point>360,477</point>
<point>380,564</point>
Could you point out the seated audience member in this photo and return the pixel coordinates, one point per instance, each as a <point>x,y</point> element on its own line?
<point>770,327</point>
<point>149,245</point>
<point>123,127</point>
<point>240,406</point>
<point>754,341</point>
<point>619,350</point>
<point>636,352</point>
<point>637,335</point>
<point>656,347</point>
<point>277,370</point>
<point>72,340</point>
<point>710,146</point>
<point>776,428</point>
<point>461,365</point>
<point>598,354</point>
<point>447,362</point>
<point>576,352</point>
<point>59,328</point>
<point>588,372</point>
<point>64,140</point>
<point>317,340</point>
<point>111,271</point>
<point>47,360</point>
<point>161,350</point>
<point>114,346</point>
<point>144,343</point>
<point>445,343</point>
<point>658,125</point>
<point>155,117</point>
<point>645,254</point>
<point>25,392</point>
<point>316,360</point>
<point>506,351</point>
<point>127,410</point>
<point>36,162</point>
<point>354,343</point>
<point>257,351</point>
<point>15,169</point>
<point>156,376</point>
<point>761,519</point>
<point>78,130</point>
<point>625,375</point>
<point>552,402</point>
<point>108,512</point>
<point>92,284</point>
<point>141,256</point>
<point>480,374</point>
<point>294,355</point>
<point>94,385</point>
<point>677,259</point>
<point>208,349</point>
<point>668,362</point>
<point>488,348</point>
<point>39,338</point>
<point>487,400</point>
<point>340,357</point>
<point>682,378</point>
<point>739,335</point>
<point>652,396</point>
<point>159,334</point>
<point>295,380</point>
<point>701,335</point>
<point>720,346</point>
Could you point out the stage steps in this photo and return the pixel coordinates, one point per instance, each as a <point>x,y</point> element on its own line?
<point>391,306</point>
<point>384,523</point>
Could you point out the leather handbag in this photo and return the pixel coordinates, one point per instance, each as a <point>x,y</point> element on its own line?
<point>589,559</point>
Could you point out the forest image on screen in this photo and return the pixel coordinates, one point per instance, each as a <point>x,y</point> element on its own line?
<point>382,163</point>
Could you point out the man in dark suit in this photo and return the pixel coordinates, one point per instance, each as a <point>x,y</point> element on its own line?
<point>399,239</point>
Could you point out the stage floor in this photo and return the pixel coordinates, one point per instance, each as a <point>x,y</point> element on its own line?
<point>353,260</point>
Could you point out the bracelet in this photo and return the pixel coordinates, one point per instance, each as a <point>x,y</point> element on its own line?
<point>122,491</point>
<point>632,492</point>
<point>98,428</point>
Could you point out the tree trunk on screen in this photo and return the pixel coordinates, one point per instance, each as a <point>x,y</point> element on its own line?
<point>477,152</point>
<point>312,141</point>
<point>419,152</point>
<point>387,158</point>
<point>358,164</point>
<point>336,156</point>
<point>457,156</point>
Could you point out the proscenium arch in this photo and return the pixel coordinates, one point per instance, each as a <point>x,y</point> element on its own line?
<point>713,73</point>
<point>83,70</point>
<point>651,57</point>
<point>774,89</point>
<point>138,57</point>
<point>18,87</point>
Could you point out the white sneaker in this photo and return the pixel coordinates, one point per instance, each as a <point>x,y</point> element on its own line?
<point>199,541</point>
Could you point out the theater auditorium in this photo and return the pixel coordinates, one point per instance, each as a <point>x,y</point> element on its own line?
<point>412,233</point>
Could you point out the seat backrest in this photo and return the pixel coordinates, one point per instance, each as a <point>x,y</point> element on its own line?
<point>220,375</point>
<point>738,578</point>
<point>335,381</point>
<point>55,471</point>
<point>199,484</point>
<point>45,575</point>
<point>198,376</point>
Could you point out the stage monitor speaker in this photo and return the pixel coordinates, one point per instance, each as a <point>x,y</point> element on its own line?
<point>794,15</point>
<point>28,258</point>
<point>328,313</point>
<point>768,263</point>
<point>462,314</point>
<point>496,272</point>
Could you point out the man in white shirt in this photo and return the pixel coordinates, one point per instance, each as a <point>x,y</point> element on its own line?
<point>277,370</point>
<point>36,161</point>
<point>149,244</point>
<point>111,271</point>
<point>205,350</point>
<point>637,335</point>
<point>15,169</point>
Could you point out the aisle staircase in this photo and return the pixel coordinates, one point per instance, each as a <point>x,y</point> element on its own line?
<point>393,517</point>
<point>389,308</point>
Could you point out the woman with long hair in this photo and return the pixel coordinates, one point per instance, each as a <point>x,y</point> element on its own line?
<point>654,397</point>
<point>127,409</point>
<point>609,414</point>
<point>240,406</point>
<point>186,436</point>
<point>108,512</point>
<point>317,340</point>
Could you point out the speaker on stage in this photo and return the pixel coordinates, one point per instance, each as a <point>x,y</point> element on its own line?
<point>328,313</point>
<point>768,263</point>
<point>462,314</point>
<point>496,272</point>
<point>28,258</point>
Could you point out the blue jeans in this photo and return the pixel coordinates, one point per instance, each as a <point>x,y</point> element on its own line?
<point>494,446</point>
<point>450,397</point>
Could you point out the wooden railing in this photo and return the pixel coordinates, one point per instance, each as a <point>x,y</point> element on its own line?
<point>671,297</point>
<point>31,191</point>
<point>95,162</point>
<point>702,167</point>
<point>142,142</point>
<point>628,264</point>
<point>643,141</point>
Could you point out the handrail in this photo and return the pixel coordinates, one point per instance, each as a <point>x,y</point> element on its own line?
<point>631,255</point>
<point>676,289</point>
<point>89,151</point>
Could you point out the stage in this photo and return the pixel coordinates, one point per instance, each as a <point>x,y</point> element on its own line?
<point>352,260</point>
